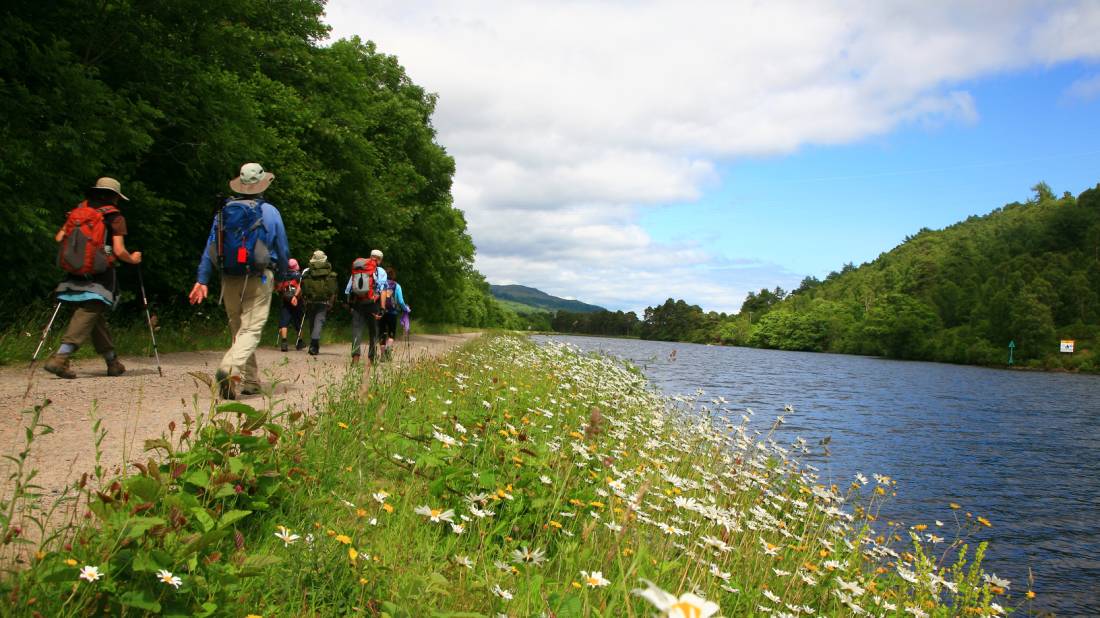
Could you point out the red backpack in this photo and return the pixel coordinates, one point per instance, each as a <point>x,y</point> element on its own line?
<point>364,284</point>
<point>82,250</point>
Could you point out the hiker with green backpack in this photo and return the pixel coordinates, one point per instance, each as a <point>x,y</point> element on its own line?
<point>248,246</point>
<point>92,241</point>
<point>319,293</point>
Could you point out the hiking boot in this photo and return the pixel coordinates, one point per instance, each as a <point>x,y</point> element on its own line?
<point>251,388</point>
<point>115,367</point>
<point>225,385</point>
<point>282,345</point>
<point>58,364</point>
<point>315,347</point>
<point>299,345</point>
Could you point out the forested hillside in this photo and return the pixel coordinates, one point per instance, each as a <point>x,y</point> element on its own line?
<point>1027,272</point>
<point>539,300</point>
<point>172,97</point>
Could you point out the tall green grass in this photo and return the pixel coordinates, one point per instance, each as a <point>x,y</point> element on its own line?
<point>504,479</point>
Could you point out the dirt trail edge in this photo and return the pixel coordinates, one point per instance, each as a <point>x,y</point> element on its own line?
<point>139,404</point>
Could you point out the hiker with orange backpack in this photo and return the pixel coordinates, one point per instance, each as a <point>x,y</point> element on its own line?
<point>92,241</point>
<point>364,290</point>
<point>248,246</point>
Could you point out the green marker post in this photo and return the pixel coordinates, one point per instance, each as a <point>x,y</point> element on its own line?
<point>1011,349</point>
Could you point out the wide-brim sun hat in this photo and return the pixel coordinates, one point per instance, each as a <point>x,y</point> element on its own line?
<point>110,184</point>
<point>318,257</point>
<point>252,180</point>
<point>376,254</point>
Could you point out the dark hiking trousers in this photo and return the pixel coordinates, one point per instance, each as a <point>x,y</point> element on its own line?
<point>364,314</point>
<point>89,319</point>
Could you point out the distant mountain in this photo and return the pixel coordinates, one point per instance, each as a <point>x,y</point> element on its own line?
<point>539,300</point>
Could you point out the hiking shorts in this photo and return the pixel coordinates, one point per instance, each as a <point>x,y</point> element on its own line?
<point>290,316</point>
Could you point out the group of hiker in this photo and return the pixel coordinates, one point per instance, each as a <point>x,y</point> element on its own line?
<point>248,247</point>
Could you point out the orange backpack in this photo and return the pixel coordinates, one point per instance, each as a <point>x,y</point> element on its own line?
<point>83,250</point>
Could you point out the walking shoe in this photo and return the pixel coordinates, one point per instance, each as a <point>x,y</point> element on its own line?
<point>115,367</point>
<point>251,388</point>
<point>225,385</point>
<point>314,347</point>
<point>282,345</point>
<point>299,345</point>
<point>58,364</point>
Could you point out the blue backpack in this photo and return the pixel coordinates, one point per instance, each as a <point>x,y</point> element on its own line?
<point>242,246</point>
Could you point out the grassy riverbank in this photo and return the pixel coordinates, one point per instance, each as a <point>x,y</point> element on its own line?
<point>504,479</point>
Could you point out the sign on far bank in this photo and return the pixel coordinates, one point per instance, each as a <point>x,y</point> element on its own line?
<point>1067,346</point>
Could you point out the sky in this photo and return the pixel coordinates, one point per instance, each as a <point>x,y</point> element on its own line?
<point>622,153</point>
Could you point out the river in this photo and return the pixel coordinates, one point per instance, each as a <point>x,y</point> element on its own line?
<point>1019,448</point>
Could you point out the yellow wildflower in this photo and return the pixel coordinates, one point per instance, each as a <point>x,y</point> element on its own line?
<point>352,554</point>
<point>386,507</point>
<point>71,562</point>
<point>985,522</point>
<point>342,425</point>
<point>343,538</point>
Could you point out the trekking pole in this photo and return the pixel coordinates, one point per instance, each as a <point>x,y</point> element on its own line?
<point>302,324</point>
<point>45,333</point>
<point>149,319</point>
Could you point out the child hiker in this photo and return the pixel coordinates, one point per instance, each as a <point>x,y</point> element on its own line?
<point>92,241</point>
<point>290,312</point>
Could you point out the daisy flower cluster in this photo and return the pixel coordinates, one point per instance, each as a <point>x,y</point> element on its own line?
<point>513,476</point>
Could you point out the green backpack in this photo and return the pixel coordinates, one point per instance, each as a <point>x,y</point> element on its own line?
<point>318,283</point>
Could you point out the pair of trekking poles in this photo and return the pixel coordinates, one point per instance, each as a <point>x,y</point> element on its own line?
<point>148,320</point>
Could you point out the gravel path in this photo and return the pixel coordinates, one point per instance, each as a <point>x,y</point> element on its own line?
<point>139,404</point>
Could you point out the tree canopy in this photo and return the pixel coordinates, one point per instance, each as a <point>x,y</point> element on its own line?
<point>172,97</point>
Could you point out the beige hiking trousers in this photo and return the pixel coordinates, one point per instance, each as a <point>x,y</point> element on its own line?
<point>247,301</point>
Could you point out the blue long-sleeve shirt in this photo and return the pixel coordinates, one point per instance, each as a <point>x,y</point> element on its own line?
<point>274,232</point>
<point>400,298</point>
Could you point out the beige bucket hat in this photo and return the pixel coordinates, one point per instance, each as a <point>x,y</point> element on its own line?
<point>318,258</point>
<point>252,180</point>
<point>110,184</point>
<point>376,254</point>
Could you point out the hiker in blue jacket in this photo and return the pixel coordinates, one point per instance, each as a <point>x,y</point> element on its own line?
<point>248,275</point>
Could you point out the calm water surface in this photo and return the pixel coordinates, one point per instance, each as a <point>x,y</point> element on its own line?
<point>1020,448</point>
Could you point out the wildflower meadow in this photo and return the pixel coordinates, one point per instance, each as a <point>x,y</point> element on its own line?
<point>505,479</point>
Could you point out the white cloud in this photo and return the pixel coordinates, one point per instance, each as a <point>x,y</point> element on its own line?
<point>1084,89</point>
<point>567,118</point>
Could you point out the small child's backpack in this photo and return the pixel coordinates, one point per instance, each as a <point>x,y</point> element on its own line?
<point>364,284</point>
<point>242,246</point>
<point>83,249</point>
<point>287,289</point>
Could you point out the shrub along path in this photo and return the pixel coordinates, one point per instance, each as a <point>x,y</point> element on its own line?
<point>140,404</point>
